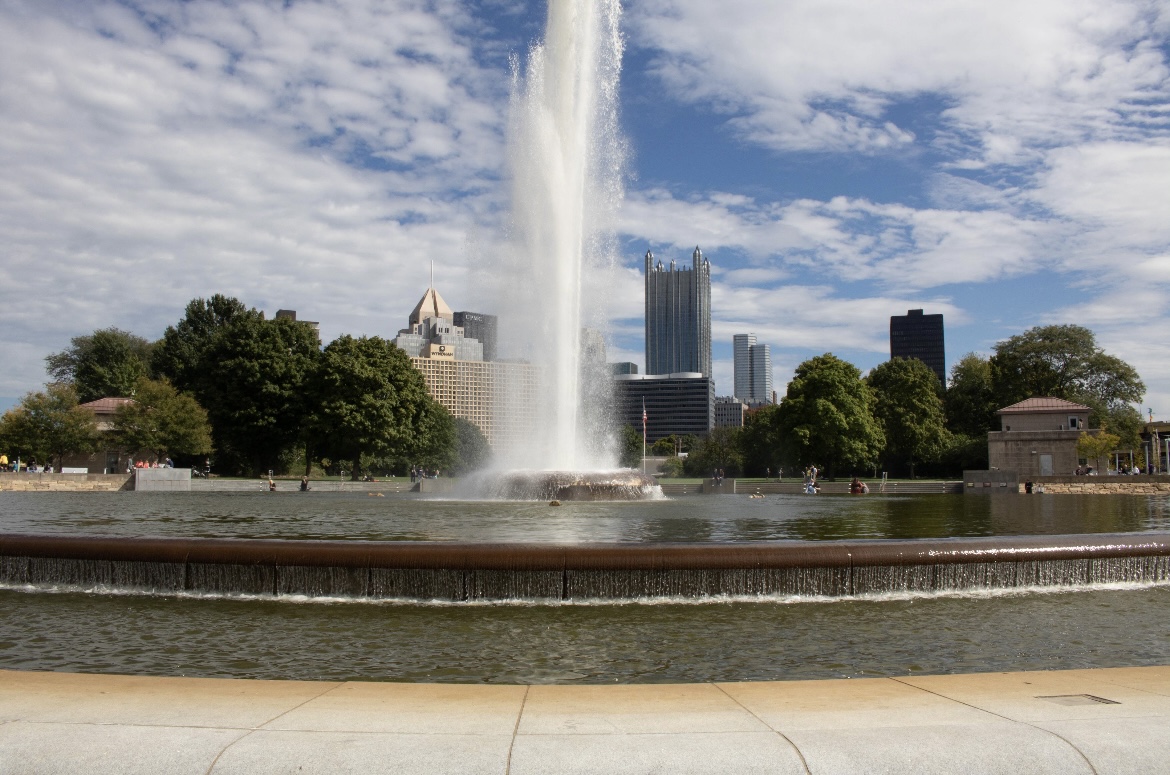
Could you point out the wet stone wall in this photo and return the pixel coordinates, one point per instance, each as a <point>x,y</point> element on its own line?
<point>472,584</point>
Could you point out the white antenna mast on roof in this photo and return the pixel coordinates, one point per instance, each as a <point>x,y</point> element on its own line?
<point>432,273</point>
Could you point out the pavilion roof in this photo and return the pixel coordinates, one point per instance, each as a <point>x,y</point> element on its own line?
<point>1042,404</point>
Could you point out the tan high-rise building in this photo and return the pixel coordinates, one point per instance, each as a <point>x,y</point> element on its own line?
<point>499,397</point>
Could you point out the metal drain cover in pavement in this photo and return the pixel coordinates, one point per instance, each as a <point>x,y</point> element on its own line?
<point>1079,699</point>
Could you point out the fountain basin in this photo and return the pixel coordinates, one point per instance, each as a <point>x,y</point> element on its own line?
<point>457,572</point>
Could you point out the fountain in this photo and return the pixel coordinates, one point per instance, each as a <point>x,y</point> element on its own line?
<point>565,162</point>
<point>521,485</point>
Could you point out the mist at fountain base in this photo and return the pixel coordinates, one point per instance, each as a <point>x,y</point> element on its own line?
<point>622,484</point>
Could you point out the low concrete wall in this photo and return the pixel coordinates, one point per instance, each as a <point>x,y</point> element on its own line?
<point>437,486</point>
<point>796,487</point>
<point>294,485</point>
<point>991,482</point>
<point>1102,485</point>
<point>162,479</point>
<point>65,482</point>
<point>680,488</point>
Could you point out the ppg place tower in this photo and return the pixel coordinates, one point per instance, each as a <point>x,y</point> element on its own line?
<point>678,316</point>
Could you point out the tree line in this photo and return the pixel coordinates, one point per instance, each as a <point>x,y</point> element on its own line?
<point>261,394</point>
<point>900,419</point>
<point>257,394</point>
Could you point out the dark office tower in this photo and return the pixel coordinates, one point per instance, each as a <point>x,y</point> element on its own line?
<point>477,325</point>
<point>915,335</point>
<point>678,317</point>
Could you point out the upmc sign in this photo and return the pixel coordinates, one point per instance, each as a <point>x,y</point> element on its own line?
<point>441,351</point>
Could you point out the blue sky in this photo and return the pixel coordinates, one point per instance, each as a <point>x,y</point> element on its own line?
<point>1005,164</point>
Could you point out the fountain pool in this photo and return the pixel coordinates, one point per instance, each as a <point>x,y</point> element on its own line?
<point>103,628</point>
<point>205,603</point>
<point>356,516</point>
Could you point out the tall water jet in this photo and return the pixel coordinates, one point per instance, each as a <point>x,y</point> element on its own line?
<point>565,159</point>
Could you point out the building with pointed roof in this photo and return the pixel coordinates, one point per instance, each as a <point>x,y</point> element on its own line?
<point>431,305</point>
<point>1044,413</point>
<point>432,332</point>
<point>496,396</point>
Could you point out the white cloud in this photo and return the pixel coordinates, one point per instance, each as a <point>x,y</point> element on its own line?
<point>814,317</point>
<point>853,240</point>
<point>310,156</point>
<point>317,155</point>
<point>815,75</point>
<point>1116,187</point>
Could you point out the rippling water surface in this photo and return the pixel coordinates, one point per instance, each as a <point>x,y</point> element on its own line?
<point>690,519</point>
<point>661,642</point>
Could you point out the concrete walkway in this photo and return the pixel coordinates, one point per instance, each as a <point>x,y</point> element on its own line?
<point>1079,721</point>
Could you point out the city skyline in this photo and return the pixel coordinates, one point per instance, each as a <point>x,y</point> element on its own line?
<point>838,163</point>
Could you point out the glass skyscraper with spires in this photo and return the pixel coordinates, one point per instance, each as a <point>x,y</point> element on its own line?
<point>678,317</point>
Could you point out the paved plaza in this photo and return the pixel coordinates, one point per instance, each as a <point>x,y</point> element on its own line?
<point>1078,721</point>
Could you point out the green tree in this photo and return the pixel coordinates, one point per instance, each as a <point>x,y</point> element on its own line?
<point>672,467</point>
<point>1092,446</point>
<point>720,449</point>
<point>826,417</point>
<point>663,447</point>
<point>630,447</point>
<point>103,364</point>
<point>970,400</point>
<point>371,404</point>
<point>761,442</point>
<point>472,451</point>
<point>962,453</point>
<point>1064,362</point>
<point>48,425</point>
<point>437,440</point>
<point>180,355</point>
<point>162,420</point>
<point>255,387</point>
<point>1127,423</point>
<point>909,407</point>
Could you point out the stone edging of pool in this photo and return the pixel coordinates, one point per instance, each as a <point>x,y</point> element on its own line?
<point>1074,721</point>
<point>454,571</point>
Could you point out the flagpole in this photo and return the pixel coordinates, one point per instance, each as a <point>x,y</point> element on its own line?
<point>643,434</point>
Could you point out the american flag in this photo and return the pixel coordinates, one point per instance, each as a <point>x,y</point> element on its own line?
<point>643,414</point>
